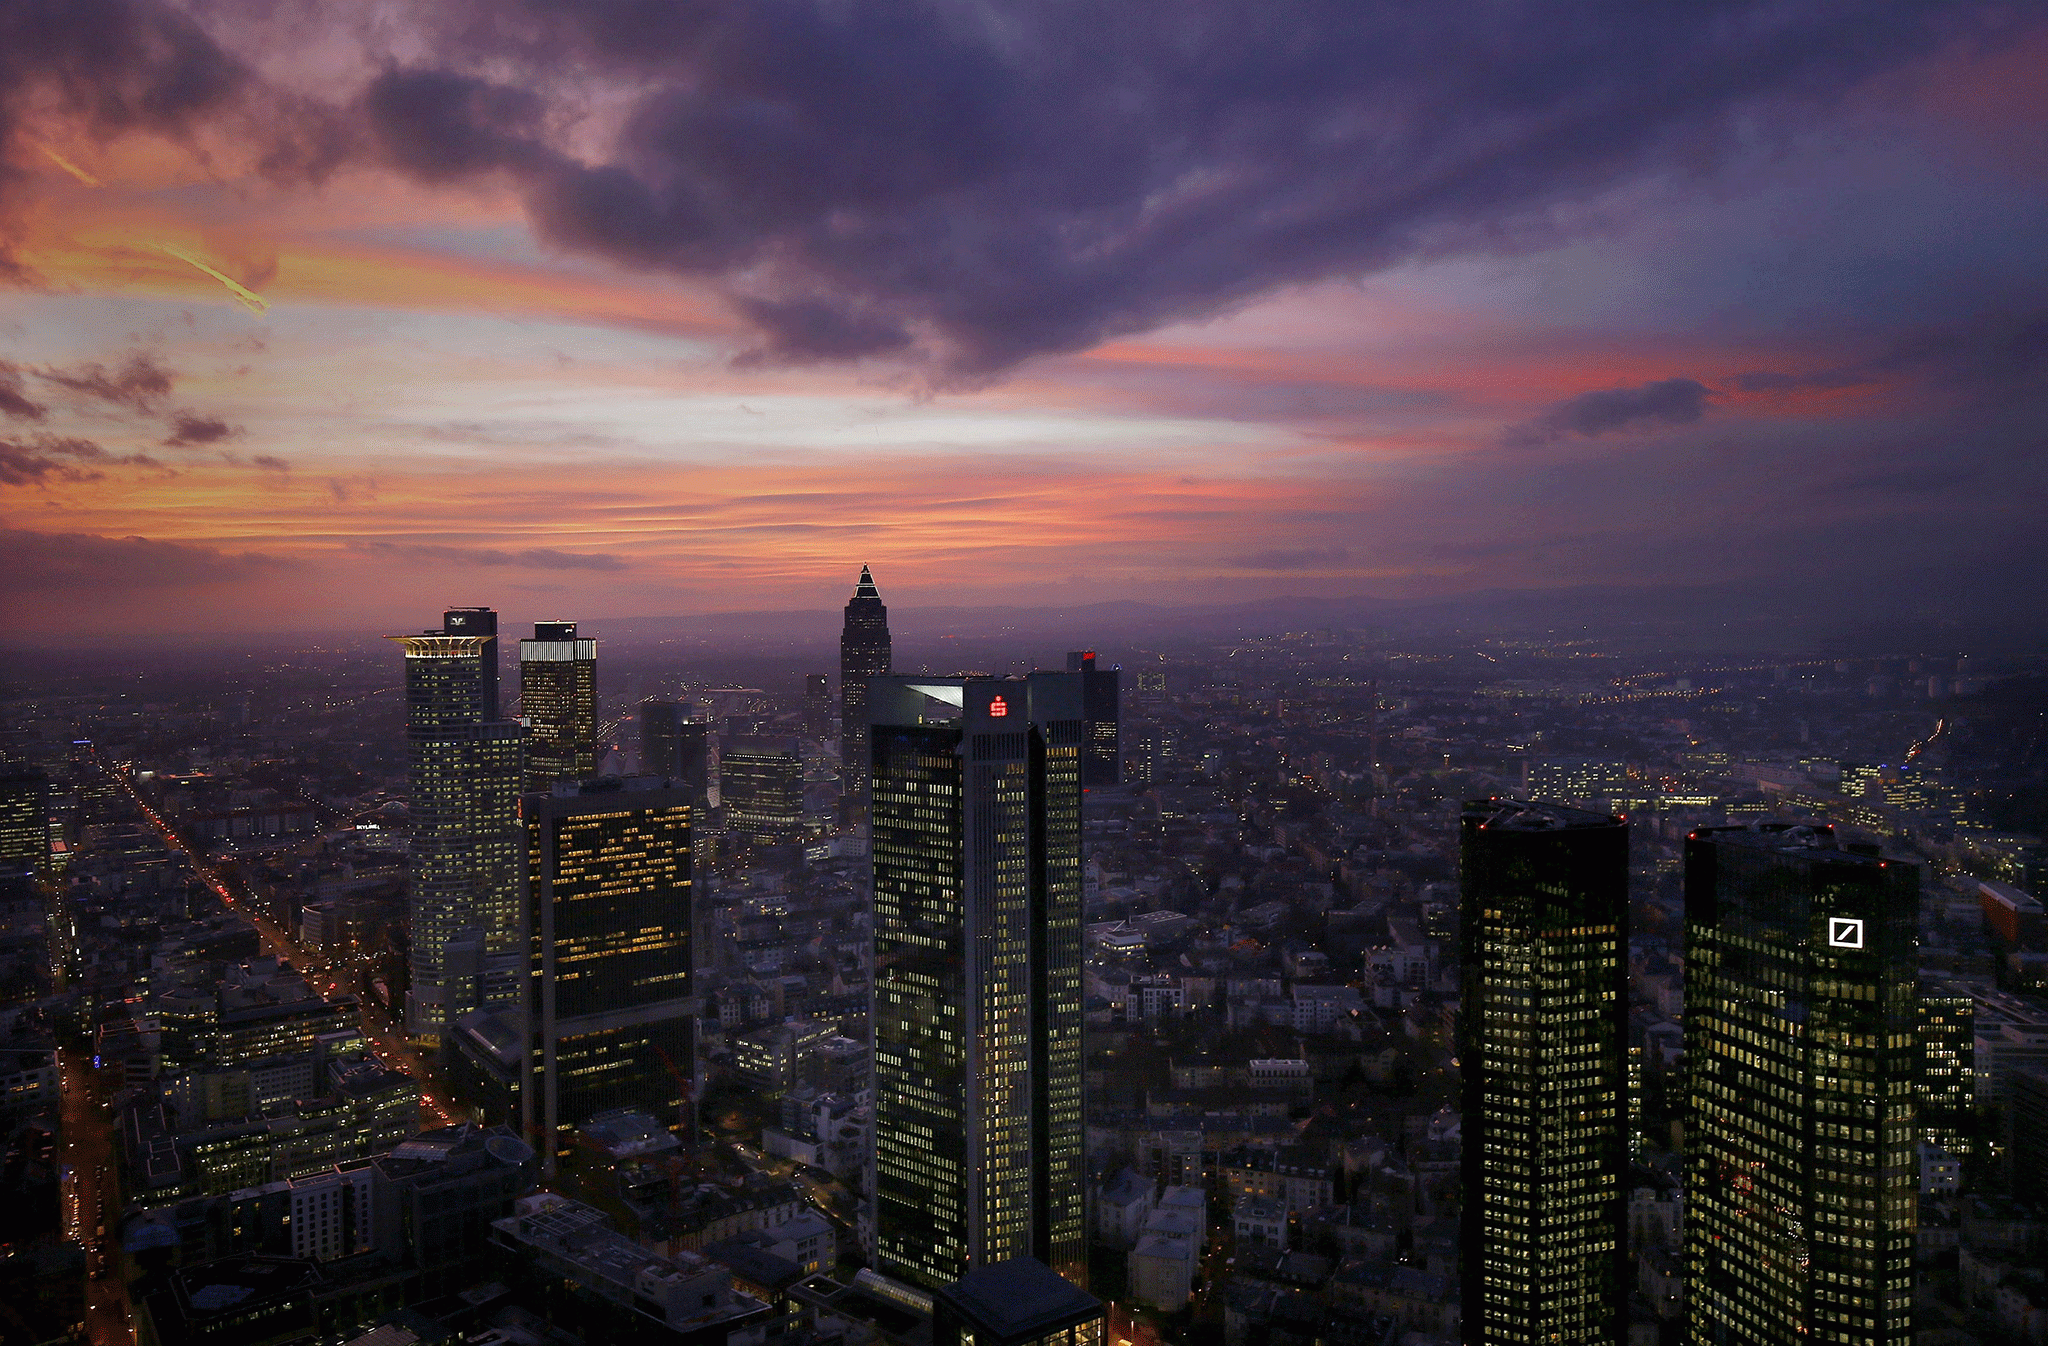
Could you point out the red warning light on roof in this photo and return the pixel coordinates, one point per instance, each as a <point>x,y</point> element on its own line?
<point>997,707</point>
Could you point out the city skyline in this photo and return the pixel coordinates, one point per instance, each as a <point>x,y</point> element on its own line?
<point>317,341</point>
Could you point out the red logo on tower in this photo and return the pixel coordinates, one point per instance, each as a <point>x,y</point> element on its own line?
<point>997,707</point>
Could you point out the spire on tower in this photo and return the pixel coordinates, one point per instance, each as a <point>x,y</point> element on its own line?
<point>866,587</point>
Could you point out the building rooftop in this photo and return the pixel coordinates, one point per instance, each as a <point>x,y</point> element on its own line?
<point>1519,815</point>
<point>1020,1298</point>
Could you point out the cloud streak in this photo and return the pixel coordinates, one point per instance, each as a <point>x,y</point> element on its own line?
<point>1678,401</point>
<point>526,558</point>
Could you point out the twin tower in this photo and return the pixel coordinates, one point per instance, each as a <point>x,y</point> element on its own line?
<point>1802,1064</point>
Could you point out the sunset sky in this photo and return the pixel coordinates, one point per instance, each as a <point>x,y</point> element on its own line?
<point>319,323</point>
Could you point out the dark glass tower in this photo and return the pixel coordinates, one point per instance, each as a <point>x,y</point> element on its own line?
<point>558,701</point>
<point>608,873</point>
<point>466,926</point>
<point>1802,1060</point>
<point>1545,1061</point>
<point>677,747</point>
<point>979,1145</point>
<point>863,653</point>
<point>761,788</point>
<point>1101,748</point>
<point>817,704</point>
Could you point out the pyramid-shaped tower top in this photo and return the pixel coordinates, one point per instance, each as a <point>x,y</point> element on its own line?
<point>866,587</point>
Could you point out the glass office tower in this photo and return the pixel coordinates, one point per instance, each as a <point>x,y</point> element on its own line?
<point>608,875</point>
<point>979,1144</point>
<point>761,788</point>
<point>558,702</point>
<point>1803,1060</point>
<point>1101,750</point>
<point>1545,1062</point>
<point>677,747</point>
<point>466,926</point>
<point>863,653</point>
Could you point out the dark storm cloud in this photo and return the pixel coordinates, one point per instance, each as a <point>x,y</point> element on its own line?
<point>13,401</point>
<point>114,66</point>
<point>189,428</point>
<point>138,385</point>
<point>996,181</point>
<point>529,558</point>
<point>1664,402</point>
<point>1990,353</point>
<point>42,459</point>
<point>62,562</point>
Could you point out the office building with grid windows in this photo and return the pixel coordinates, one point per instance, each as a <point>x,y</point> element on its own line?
<point>608,875</point>
<point>558,702</point>
<point>467,934</point>
<point>979,1144</point>
<point>1545,1063</point>
<point>1803,1062</point>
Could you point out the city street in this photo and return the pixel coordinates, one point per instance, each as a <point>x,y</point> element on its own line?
<point>92,1203</point>
<point>386,1037</point>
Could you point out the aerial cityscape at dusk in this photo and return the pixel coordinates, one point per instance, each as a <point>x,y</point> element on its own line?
<point>786,673</point>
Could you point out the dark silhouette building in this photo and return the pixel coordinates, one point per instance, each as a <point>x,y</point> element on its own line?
<point>1802,1063</point>
<point>863,654</point>
<point>1544,1052</point>
<point>608,871</point>
<point>466,929</point>
<point>1101,748</point>
<point>674,746</point>
<point>817,705</point>
<point>558,702</point>
<point>979,1151</point>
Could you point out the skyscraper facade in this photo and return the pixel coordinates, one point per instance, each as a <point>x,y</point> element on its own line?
<point>1802,1065</point>
<point>677,747</point>
<point>466,927</point>
<point>863,653</point>
<point>24,821</point>
<point>1101,747</point>
<point>1948,1054</point>
<point>979,1144</point>
<point>817,704</point>
<point>761,788</point>
<point>558,702</point>
<point>608,874</point>
<point>1545,1062</point>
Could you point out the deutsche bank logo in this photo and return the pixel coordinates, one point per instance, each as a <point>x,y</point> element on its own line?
<point>1845,932</point>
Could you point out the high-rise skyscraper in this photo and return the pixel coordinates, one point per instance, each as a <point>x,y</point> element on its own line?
<point>466,927</point>
<point>677,747</point>
<point>817,704</point>
<point>1101,748</point>
<point>863,653</point>
<point>761,788</point>
<point>1802,1063</point>
<point>1948,1054</point>
<point>608,875</point>
<point>24,822</point>
<point>558,702</point>
<point>1545,1061</point>
<point>979,1146</point>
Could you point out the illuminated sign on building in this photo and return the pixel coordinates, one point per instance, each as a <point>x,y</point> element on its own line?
<point>1845,933</point>
<point>997,707</point>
